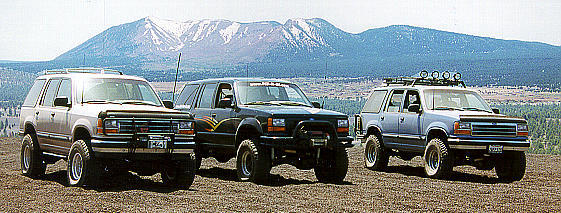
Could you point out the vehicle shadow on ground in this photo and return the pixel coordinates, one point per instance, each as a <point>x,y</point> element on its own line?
<point>456,176</point>
<point>274,179</point>
<point>116,183</point>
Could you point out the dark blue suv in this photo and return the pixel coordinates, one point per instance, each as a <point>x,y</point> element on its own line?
<point>445,123</point>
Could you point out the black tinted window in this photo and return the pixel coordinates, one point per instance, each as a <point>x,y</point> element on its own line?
<point>65,89</point>
<point>187,95</point>
<point>395,101</point>
<point>34,93</point>
<point>374,103</point>
<point>50,93</point>
<point>412,97</point>
<point>206,98</point>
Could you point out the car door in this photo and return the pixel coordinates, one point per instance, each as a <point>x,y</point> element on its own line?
<point>62,117</point>
<point>410,122</point>
<point>205,124</point>
<point>224,131</point>
<point>389,120</point>
<point>46,127</point>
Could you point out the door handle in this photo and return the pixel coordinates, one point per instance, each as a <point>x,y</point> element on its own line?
<point>52,114</point>
<point>213,115</point>
<point>382,118</point>
<point>402,119</point>
<point>37,113</point>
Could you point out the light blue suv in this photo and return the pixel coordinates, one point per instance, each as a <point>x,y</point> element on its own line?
<point>445,123</point>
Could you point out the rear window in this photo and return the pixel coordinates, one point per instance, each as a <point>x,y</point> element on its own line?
<point>34,93</point>
<point>187,96</point>
<point>374,103</point>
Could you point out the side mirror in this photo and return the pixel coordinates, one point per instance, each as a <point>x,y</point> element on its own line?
<point>168,104</point>
<point>225,103</point>
<point>62,101</point>
<point>496,111</point>
<point>316,104</point>
<point>416,108</point>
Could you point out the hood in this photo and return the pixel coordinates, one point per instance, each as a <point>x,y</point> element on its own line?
<point>126,108</point>
<point>478,116</point>
<point>289,111</point>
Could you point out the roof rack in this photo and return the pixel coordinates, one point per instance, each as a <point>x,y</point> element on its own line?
<point>82,70</point>
<point>425,80</point>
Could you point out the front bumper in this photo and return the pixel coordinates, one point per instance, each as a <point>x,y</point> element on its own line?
<point>306,143</point>
<point>473,143</point>
<point>133,148</point>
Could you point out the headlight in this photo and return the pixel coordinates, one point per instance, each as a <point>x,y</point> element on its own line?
<point>185,125</point>
<point>343,123</point>
<point>276,125</point>
<point>278,122</point>
<point>462,128</point>
<point>522,129</point>
<point>111,124</point>
<point>186,128</point>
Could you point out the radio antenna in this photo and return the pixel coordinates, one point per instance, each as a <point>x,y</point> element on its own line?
<point>175,82</point>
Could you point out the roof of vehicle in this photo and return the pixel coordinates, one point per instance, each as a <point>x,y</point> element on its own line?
<point>238,80</point>
<point>87,72</point>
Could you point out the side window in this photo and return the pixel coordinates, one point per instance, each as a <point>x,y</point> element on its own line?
<point>49,97</point>
<point>65,89</point>
<point>224,91</point>
<point>34,93</point>
<point>394,103</point>
<point>412,97</point>
<point>207,96</point>
<point>374,103</point>
<point>187,95</point>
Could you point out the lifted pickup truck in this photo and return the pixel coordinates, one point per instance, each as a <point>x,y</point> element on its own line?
<point>102,122</point>
<point>264,123</point>
<point>444,123</point>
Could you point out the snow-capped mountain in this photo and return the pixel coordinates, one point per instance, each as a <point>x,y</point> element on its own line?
<point>223,41</point>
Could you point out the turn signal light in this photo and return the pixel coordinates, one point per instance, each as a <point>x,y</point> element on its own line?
<point>462,128</point>
<point>99,126</point>
<point>276,129</point>
<point>343,129</point>
<point>522,133</point>
<point>186,131</point>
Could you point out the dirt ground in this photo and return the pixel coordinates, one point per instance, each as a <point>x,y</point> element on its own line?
<point>402,188</point>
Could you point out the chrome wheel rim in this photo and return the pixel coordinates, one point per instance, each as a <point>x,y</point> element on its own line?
<point>77,166</point>
<point>26,157</point>
<point>247,164</point>
<point>433,160</point>
<point>371,154</point>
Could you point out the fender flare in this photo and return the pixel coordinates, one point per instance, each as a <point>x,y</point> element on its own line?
<point>249,122</point>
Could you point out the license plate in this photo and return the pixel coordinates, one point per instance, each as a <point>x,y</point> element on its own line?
<point>495,149</point>
<point>157,142</point>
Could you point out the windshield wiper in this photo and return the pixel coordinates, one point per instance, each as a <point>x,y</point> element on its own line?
<point>262,103</point>
<point>292,103</point>
<point>448,108</point>
<point>475,109</point>
<point>137,102</point>
<point>97,101</point>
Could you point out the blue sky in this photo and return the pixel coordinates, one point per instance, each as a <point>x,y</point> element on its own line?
<point>42,30</point>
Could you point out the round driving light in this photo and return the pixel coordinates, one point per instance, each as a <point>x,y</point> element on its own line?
<point>424,74</point>
<point>445,75</point>
<point>435,74</point>
<point>457,76</point>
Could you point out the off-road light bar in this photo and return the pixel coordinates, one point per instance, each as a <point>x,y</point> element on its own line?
<point>424,74</point>
<point>445,75</point>
<point>435,74</point>
<point>457,76</point>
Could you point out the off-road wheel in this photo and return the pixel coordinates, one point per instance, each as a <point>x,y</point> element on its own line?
<point>82,168</point>
<point>438,159</point>
<point>31,157</point>
<point>332,166</point>
<point>511,166</point>
<point>252,162</point>
<point>180,173</point>
<point>375,155</point>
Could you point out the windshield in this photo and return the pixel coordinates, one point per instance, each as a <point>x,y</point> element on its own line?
<point>274,93</point>
<point>121,91</point>
<point>444,99</point>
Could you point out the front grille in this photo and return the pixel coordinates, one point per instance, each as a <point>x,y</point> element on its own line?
<point>130,126</point>
<point>490,129</point>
